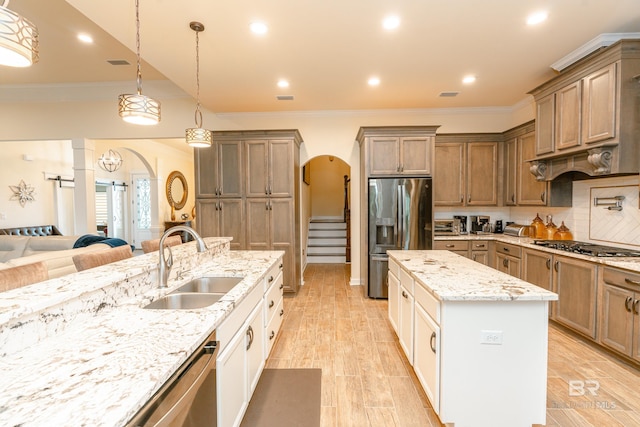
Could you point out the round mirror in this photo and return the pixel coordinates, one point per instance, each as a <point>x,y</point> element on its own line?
<point>177,190</point>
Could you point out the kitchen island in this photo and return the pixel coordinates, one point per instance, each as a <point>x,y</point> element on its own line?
<point>81,350</point>
<point>476,337</point>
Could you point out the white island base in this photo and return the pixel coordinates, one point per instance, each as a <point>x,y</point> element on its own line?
<point>476,338</point>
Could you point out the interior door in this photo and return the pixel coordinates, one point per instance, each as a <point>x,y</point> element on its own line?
<point>141,206</point>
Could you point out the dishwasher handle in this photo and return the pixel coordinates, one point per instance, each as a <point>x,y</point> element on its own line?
<point>171,404</point>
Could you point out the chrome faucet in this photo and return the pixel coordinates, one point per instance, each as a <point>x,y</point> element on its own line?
<point>164,267</point>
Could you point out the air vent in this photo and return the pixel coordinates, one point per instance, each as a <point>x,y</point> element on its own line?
<point>284,97</point>
<point>118,62</point>
<point>448,94</point>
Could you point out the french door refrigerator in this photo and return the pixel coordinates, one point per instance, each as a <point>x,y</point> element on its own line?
<point>400,217</point>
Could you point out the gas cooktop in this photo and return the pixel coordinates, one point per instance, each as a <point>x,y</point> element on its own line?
<point>585,248</point>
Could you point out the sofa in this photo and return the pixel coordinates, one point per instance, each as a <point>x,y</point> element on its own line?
<point>55,251</point>
<point>34,230</point>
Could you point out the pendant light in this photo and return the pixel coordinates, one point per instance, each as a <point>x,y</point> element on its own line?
<point>137,108</point>
<point>198,137</point>
<point>18,39</point>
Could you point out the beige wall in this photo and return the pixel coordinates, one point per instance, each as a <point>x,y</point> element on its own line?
<point>327,186</point>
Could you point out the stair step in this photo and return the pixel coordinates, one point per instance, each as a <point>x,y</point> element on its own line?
<point>328,234</point>
<point>326,259</point>
<point>330,241</point>
<point>326,250</point>
<point>327,226</point>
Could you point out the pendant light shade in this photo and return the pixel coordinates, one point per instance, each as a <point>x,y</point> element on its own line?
<point>137,108</point>
<point>110,161</point>
<point>198,137</point>
<point>18,39</point>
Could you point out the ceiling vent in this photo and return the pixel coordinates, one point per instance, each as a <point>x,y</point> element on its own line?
<point>448,94</point>
<point>118,62</point>
<point>284,97</point>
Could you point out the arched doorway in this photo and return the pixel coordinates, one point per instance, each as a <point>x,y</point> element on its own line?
<point>326,211</point>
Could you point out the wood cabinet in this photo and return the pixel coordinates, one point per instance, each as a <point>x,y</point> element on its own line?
<point>619,316</point>
<point>465,172</point>
<point>393,155</point>
<point>507,258</point>
<point>586,116</point>
<point>511,171</point>
<point>520,186</point>
<point>261,210</point>
<point>575,283</point>
<point>479,251</point>
<point>537,269</point>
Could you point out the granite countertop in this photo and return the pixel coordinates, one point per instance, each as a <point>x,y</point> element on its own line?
<point>101,369</point>
<point>625,263</point>
<point>452,277</point>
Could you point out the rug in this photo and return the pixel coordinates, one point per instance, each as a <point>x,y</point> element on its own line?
<point>285,398</point>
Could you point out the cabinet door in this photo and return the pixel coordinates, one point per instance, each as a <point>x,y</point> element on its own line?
<point>394,295</point>
<point>530,191</point>
<point>508,264</point>
<point>258,220</point>
<point>575,284</point>
<point>482,174</point>
<point>568,101</point>
<point>232,223</point>
<point>510,171</point>
<point>545,125</point>
<point>415,156</point>
<point>257,168</point>
<point>280,169</point>
<point>254,342</point>
<point>536,269</point>
<point>384,155</point>
<point>616,329</point>
<point>449,174</point>
<point>231,168</point>
<point>406,322</point>
<point>231,387</point>
<point>480,256</point>
<point>208,222</point>
<point>599,105</point>
<point>426,362</point>
<point>206,171</point>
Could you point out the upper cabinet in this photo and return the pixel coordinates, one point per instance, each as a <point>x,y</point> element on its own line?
<point>396,151</point>
<point>586,117</point>
<point>219,170</point>
<point>466,170</point>
<point>270,168</point>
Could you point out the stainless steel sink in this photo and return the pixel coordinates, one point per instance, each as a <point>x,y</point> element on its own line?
<point>178,301</point>
<point>210,285</point>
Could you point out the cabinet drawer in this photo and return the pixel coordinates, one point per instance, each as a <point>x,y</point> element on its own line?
<point>622,278</point>
<point>394,268</point>
<point>273,274</point>
<point>406,281</point>
<point>272,298</point>
<point>273,327</point>
<point>508,249</point>
<point>428,302</point>
<point>451,245</point>
<point>479,245</point>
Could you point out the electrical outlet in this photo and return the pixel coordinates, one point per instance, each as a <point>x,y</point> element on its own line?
<point>3,216</point>
<point>491,337</point>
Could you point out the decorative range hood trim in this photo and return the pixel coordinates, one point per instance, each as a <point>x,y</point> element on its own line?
<point>595,162</point>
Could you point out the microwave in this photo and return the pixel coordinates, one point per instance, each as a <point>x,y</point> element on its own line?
<point>446,227</point>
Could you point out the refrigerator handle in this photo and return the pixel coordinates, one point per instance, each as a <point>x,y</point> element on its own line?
<point>399,219</point>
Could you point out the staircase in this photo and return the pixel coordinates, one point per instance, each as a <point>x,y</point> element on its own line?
<point>327,242</point>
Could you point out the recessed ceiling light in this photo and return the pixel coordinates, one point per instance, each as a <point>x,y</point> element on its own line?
<point>391,22</point>
<point>373,81</point>
<point>259,28</point>
<point>468,79</point>
<point>537,17</point>
<point>283,83</point>
<point>85,38</point>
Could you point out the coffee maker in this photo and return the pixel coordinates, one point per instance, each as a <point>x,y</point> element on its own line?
<point>463,223</point>
<point>478,222</point>
<point>498,227</point>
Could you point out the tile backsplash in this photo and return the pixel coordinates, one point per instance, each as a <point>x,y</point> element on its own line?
<point>587,222</point>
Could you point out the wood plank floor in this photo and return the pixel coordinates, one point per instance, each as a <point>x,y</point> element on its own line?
<point>367,381</point>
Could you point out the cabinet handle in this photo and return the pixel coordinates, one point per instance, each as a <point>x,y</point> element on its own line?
<point>450,246</point>
<point>401,168</point>
<point>270,206</point>
<point>542,196</point>
<point>632,282</point>
<point>556,266</point>
<point>505,262</point>
<point>461,199</point>
<point>505,249</point>
<point>548,263</point>
<point>636,306</point>
<point>281,312</point>
<point>281,286</point>
<point>628,303</point>
<point>273,334</point>
<point>280,266</point>
<point>480,245</point>
<point>473,257</point>
<point>404,294</point>
<point>271,304</point>
<point>270,279</point>
<point>469,199</point>
<point>432,342</point>
<point>398,168</point>
<point>250,335</point>
<point>220,205</point>
<point>513,198</point>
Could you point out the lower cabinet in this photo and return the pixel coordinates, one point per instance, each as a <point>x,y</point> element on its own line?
<point>245,344</point>
<point>426,352</point>
<point>405,329</point>
<point>477,250</point>
<point>536,269</point>
<point>394,295</point>
<point>575,283</point>
<point>460,247</point>
<point>508,258</point>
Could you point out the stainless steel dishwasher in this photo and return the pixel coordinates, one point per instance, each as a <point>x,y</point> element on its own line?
<point>188,398</point>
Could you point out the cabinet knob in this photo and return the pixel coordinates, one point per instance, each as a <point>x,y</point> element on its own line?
<point>281,286</point>
<point>273,334</point>
<point>270,279</point>
<point>281,312</point>
<point>271,304</point>
<point>404,294</point>
<point>432,342</point>
<point>280,266</point>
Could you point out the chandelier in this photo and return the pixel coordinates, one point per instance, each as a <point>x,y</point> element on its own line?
<point>110,161</point>
<point>198,137</point>
<point>138,108</point>
<point>18,39</point>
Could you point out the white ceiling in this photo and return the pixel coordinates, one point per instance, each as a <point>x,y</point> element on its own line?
<point>326,49</point>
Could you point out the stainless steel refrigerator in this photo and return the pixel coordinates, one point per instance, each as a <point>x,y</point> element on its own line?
<point>400,217</point>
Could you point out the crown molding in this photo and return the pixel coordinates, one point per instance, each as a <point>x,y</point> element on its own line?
<point>603,40</point>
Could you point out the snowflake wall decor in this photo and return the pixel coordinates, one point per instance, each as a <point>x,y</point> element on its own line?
<point>23,193</point>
